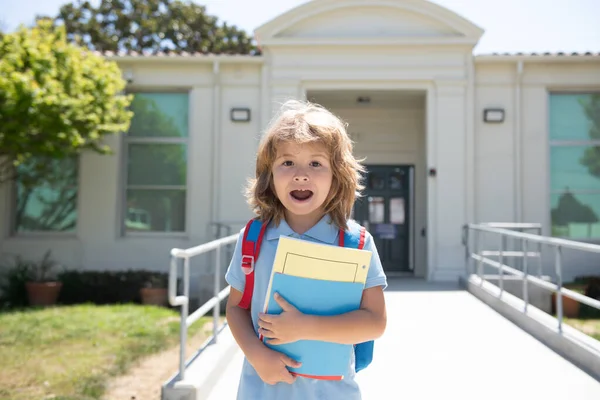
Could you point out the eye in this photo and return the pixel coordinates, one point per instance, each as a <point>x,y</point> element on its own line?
<point>287,163</point>
<point>315,164</point>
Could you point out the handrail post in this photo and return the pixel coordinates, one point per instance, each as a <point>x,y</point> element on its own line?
<point>184,314</point>
<point>525,277</point>
<point>480,257</point>
<point>539,248</point>
<point>501,261</point>
<point>465,241</point>
<point>559,302</point>
<point>217,307</point>
<point>474,249</point>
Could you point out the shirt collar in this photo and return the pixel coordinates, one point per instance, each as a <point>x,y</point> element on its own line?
<point>324,231</point>
<point>274,231</point>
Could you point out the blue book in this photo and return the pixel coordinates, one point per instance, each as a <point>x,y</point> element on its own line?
<point>320,360</point>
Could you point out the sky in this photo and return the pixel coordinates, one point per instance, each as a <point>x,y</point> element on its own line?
<point>510,25</point>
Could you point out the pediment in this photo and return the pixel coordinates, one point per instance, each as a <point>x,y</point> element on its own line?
<point>368,21</point>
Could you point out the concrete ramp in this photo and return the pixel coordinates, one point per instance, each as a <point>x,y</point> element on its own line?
<point>443,343</point>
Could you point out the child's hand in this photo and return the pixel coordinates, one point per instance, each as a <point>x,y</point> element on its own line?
<point>286,327</point>
<point>271,365</point>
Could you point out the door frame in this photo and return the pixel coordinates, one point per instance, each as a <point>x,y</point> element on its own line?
<point>410,214</point>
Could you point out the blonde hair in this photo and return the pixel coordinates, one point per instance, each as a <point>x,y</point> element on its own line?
<point>301,123</point>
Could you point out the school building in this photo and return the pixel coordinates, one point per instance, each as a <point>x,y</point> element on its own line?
<point>448,137</point>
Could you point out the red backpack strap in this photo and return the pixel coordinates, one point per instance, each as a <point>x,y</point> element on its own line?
<point>363,231</point>
<point>253,235</point>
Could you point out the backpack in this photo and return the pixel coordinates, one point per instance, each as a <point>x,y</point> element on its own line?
<point>253,235</point>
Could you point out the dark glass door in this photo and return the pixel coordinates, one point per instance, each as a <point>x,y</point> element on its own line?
<point>385,210</point>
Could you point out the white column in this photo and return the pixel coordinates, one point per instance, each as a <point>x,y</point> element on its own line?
<point>450,161</point>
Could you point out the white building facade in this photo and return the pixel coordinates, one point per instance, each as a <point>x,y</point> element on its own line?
<point>448,138</point>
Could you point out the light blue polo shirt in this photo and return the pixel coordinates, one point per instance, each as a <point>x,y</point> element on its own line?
<point>251,387</point>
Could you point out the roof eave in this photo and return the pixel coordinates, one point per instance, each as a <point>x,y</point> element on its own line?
<point>190,59</point>
<point>532,58</point>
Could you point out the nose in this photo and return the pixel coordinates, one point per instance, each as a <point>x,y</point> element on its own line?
<point>301,176</point>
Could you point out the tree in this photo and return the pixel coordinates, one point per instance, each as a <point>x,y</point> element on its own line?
<point>56,100</point>
<point>150,26</point>
<point>570,210</point>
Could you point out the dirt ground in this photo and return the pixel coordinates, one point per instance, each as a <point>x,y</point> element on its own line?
<point>144,380</point>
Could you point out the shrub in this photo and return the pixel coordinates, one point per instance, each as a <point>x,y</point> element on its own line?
<point>12,283</point>
<point>592,289</point>
<point>107,287</point>
<point>79,287</point>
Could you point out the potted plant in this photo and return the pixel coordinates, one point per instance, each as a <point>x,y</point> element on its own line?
<point>42,286</point>
<point>585,285</point>
<point>154,291</point>
<point>592,290</point>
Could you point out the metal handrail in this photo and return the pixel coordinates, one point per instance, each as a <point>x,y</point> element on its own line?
<point>526,238</point>
<point>228,226</point>
<point>213,303</point>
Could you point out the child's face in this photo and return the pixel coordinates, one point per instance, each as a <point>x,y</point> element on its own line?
<point>302,178</point>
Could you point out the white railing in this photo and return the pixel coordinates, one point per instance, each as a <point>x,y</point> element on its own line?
<point>183,300</point>
<point>477,257</point>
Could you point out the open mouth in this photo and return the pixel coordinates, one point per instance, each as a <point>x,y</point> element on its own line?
<point>301,195</point>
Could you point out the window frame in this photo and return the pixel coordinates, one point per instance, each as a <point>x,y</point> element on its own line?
<point>555,143</point>
<point>124,172</point>
<point>13,232</point>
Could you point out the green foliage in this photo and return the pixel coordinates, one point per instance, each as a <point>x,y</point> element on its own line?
<point>13,276</point>
<point>588,285</point>
<point>56,100</point>
<point>78,287</point>
<point>150,26</point>
<point>16,273</point>
<point>107,287</point>
<point>571,210</point>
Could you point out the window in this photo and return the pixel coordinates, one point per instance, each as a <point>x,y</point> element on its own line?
<point>156,149</point>
<point>575,165</point>
<point>49,205</point>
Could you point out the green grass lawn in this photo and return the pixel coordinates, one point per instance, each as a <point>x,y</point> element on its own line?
<point>588,320</point>
<point>589,326</point>
<point>70,352</point>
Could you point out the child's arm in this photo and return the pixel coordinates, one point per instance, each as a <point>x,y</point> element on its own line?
<point>269,364</point>
<point>240,324</point>
<point>366,323</point>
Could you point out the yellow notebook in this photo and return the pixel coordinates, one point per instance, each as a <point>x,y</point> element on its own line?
<point>306,259</point>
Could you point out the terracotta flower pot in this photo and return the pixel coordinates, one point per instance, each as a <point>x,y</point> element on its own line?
<point>154,296</point>
<point>570,306</point>
<point>43,293</point>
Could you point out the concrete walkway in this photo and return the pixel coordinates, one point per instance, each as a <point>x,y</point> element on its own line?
<point>443,343</point>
